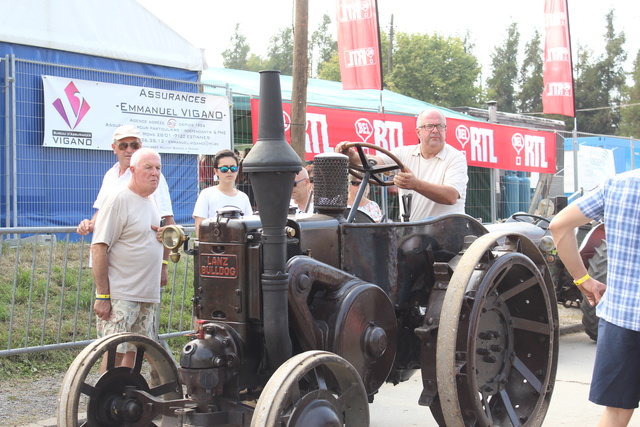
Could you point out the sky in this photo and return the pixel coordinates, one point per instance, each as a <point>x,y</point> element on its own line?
<point>209,24</point>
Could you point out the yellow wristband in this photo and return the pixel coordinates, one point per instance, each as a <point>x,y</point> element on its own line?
<point>106,296</point>
<point>165,262</point>
<point>581,280</point>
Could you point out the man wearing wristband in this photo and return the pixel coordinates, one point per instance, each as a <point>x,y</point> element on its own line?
<point>127,257</point>
<point>616,374</point>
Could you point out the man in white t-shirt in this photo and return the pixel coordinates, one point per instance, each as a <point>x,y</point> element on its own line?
<point>126,141</point>
<point>435,173</point>
<point>127,257</point>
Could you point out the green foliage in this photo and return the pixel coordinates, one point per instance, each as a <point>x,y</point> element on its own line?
<point>236,55</point>
<point>504,74</point>
<point>322,45</point>
<point>531,81</point>
<point>599,84</point>
<point>444,71</point>
<point>434,69</point>
<point>255,63</point>
<point>47,298</point>
<point>330,70</point>
<point>34,364</point>
<point>280,52</point>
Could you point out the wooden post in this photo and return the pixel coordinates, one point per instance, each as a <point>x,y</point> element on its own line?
<point>300,77</point>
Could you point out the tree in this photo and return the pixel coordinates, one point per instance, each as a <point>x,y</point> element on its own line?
<point>630,116</point>
<point>323,45</point>
<point>330,70</point>
<point>587,90</point>
<point>235,56</point>
<point>434,69</point>
<point>256,63</point>
<point>504,65</point>
<point>280,52</point>
<point>599,85</point>
<point>531,82</point>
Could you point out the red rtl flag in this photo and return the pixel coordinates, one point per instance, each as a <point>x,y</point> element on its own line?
<point>359,44</point>
<point>557,97</point>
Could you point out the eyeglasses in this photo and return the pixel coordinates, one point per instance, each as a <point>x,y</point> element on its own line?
<point>431,126</point>
<point>225,169</point>
<point>124,145</point>
<point>356,183</point>
<point>295,183</point>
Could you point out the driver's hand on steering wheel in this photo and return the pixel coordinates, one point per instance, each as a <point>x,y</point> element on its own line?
<point>406,180</point>
<point>349,152</point>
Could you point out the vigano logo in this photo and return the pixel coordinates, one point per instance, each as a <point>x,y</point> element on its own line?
<point>79,106</point>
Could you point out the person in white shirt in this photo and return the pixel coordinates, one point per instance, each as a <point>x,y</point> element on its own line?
<point>225,165</point>
<point>434,171</point>
<point>127,257</point>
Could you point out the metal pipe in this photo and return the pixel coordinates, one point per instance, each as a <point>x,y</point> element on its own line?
<point>7,149</point>
<point>494,175</point>
<point>272,165</point>
<point>14,139</point>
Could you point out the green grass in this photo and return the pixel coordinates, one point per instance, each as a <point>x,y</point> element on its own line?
<point>36,364</point>
<point>46,297</point>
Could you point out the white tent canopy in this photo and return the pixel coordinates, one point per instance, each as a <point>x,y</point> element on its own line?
<point>117,29</point>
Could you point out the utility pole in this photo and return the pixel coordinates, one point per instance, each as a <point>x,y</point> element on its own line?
<point>300,77</point>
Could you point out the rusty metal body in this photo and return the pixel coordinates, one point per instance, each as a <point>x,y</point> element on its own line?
<point>364,304</point>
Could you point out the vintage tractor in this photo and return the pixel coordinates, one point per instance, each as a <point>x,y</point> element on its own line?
<point>303,318</point>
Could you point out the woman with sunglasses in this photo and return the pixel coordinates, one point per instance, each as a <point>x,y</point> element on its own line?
<point>225,165</point>
<point>366,205</point>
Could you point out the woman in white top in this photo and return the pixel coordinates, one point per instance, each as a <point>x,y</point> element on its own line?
<point>366,205</point>
<point>224,194</point>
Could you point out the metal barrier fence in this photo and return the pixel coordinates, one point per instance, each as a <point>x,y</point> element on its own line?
<point>47,292</point>
<point>67,181</point>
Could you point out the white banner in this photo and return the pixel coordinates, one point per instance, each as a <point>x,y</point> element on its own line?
<point>595,165</point>
<point>83,114</point>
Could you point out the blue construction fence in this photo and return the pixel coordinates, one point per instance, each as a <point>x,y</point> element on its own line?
<point>56,187</point>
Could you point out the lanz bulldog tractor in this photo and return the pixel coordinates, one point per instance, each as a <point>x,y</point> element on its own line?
<point>303,318</point>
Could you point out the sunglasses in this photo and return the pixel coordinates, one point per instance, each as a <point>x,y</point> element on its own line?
<point>124,145</point>
<point>295,183</point>
<point>225,169</point>
<point>356,183</point>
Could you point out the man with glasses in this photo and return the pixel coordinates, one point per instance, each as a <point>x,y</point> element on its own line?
<point>302,193</point>
<point>126,141</point>
<point>435,173</point>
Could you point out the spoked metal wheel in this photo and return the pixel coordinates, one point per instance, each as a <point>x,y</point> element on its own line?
<point>315,388</point>
<point>497,349</point>
<point>89,399</point>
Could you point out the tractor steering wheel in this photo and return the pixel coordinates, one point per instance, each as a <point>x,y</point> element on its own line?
<point>369,170</point>
<point>536,219</point>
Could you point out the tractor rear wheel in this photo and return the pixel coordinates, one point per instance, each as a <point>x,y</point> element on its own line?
<point>497,348</point>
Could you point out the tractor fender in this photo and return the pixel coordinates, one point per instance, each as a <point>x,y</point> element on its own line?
<point>592,240</point>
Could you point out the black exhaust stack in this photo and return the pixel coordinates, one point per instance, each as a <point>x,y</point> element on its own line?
<point>272,165</point>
